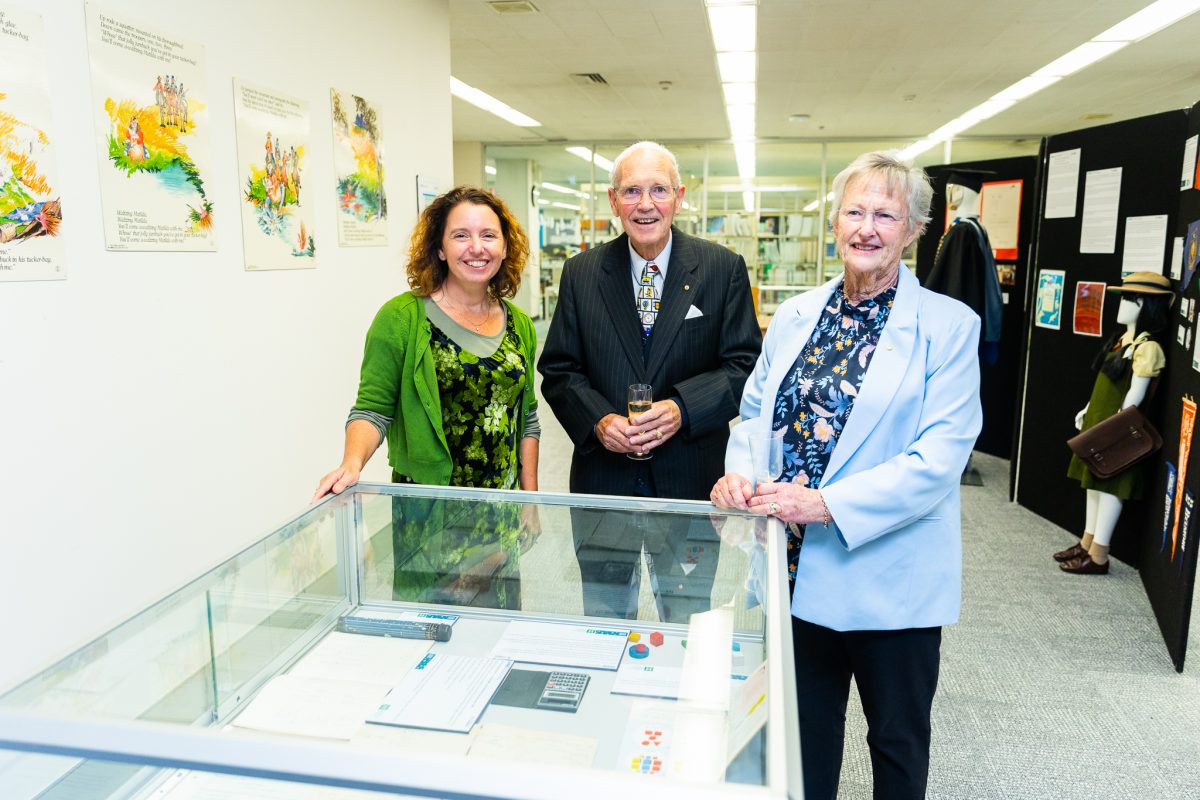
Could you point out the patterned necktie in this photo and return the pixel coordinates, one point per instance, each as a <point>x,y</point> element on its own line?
<point>648,298</point>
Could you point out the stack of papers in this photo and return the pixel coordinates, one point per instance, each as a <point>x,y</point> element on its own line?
<point>442,692</point>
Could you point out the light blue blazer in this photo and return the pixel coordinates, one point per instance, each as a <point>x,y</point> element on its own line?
<point>892,558</point>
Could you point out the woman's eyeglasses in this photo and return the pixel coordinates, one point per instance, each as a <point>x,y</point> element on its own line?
<point>884,220</point>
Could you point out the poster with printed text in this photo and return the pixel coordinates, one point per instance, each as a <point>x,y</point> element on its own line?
<point>1089,306</point>
<point>273,152</point>
<point>1049,299</point>
<point>152,132</point>
<point>358,169</point>
<point>30,206</point>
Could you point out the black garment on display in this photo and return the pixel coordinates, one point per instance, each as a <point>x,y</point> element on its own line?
<point>965,269</point>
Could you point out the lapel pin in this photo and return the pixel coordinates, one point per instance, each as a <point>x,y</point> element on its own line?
<point>687,286</point>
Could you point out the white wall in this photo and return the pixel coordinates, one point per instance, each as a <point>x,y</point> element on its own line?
<point>159,411</point>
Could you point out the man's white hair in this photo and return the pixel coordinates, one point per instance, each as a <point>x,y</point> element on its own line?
<point>648,147</point>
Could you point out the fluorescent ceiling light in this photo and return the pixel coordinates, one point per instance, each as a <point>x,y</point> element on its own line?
<point>741,122</point>
<point>490,104</point>
<point>1151,19</point>
<point>737,94</point>
<point>567,206</point>
<point>564,189</point>
<point>916,148</point>
<point>719,3</point>
<point>542,202</point>
<point>1031,84</point>
<point>743,153</point>
<point>736,67</point>
<point>1085,55</point>
<point>748,200</point>
<point>813,205</point>
<point>734,28</point>
<point>587,155</point>
<point>489,169</point>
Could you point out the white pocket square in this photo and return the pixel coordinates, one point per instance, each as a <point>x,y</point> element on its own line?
<point>694,312</point>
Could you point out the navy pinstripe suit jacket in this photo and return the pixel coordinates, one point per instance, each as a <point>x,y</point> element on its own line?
<point>594,351</point>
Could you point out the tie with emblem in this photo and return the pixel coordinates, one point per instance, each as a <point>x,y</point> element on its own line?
<point>648,298</point>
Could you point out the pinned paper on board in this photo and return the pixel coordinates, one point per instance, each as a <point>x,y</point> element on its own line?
<point>1089,304</point>
<point>1048,312</point>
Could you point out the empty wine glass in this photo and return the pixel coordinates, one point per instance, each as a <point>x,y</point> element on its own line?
<point>766,455</point>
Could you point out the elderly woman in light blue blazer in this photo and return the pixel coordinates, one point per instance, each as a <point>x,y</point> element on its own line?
<point>874,382</point>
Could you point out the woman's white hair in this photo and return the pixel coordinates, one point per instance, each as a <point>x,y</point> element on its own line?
<point>902,177</point>
<point>649,147</point>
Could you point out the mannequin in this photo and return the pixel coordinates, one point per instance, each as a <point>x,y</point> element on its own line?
<point>964,267</point>
<point>1125,367</point>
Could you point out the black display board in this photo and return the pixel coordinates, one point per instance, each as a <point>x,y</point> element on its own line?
<point>1168,551</point>
<point>1149,151</point>
<point>998,382</point>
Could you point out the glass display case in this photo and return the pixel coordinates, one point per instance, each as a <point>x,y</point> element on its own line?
<point>533,646</point>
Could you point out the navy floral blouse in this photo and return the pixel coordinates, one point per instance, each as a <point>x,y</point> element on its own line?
<point>816,397</point>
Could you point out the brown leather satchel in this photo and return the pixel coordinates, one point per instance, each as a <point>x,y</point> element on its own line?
<point>1116,443</point>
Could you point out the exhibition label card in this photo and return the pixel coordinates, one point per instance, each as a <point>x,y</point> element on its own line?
<point>152,135</point>
<point>442,692</point>
<point>301,706</point>
<point>30,204</point>
<point>376,660</point>
<point>568,645</point>
<point>1101,198</point>
<point>1188,179</point>
<point>1000,214</point>
<point>1062,183</point>
<point>1145,244</point>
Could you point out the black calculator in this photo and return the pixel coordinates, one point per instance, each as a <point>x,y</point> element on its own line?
<point>563,691</point>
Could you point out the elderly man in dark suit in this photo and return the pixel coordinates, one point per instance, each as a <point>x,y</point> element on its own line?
<point>659,307</point>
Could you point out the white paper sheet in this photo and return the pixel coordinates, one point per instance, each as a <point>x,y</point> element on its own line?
<point>708,660</point>
<point>667,739</point>
<point>376,660</point>
<point>647,680</point>
<point>310,707</point>
<point>1062,183</point>
<point>391,739</point>
<point>1101,198</point>
<point>747,710</point>
<point>1189,164</point>
<point>443,692</point>
<point>506,743</point>
<point>1145,241</point>
<point>567,645</point>
<point>1177,258</point>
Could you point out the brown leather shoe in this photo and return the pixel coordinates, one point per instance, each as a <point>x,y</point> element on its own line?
<point>1084,566</point>
<point>1074,551</point>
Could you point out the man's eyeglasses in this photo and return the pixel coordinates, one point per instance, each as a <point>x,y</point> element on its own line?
<point>633,194</point>
<point>884,220</point>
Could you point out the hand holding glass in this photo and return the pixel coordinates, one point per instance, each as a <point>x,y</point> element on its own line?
<point>641,397</point>
<point>766,456</point>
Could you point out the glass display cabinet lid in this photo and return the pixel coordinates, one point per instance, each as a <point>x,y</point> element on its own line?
<point>438,642</point>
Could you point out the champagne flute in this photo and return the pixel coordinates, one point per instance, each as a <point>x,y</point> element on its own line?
<point>766,456</point>
<point>641,397</point>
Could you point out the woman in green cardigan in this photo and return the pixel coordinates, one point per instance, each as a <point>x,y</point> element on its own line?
<point>447,380</point>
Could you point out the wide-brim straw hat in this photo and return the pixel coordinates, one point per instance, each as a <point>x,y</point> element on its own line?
<point>1144,283</point>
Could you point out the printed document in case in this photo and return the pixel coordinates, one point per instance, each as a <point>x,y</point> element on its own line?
<point>442,692</point>
<point>568,645</point>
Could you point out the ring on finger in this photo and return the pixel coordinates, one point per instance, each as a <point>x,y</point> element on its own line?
<point>658,433</point>
<point>773,508</point>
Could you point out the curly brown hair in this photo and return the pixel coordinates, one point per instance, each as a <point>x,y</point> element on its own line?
<point>427,272</point>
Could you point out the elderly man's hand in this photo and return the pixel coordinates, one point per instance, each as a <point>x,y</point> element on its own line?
<point>611,431</point>
<point>789,502</point>
<point>653,428</point>
<point>732,491</point>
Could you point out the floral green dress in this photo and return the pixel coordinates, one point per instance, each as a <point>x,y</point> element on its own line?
<point>468,558</point>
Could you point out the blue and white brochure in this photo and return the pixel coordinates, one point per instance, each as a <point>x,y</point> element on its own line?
<point>588,646</point>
